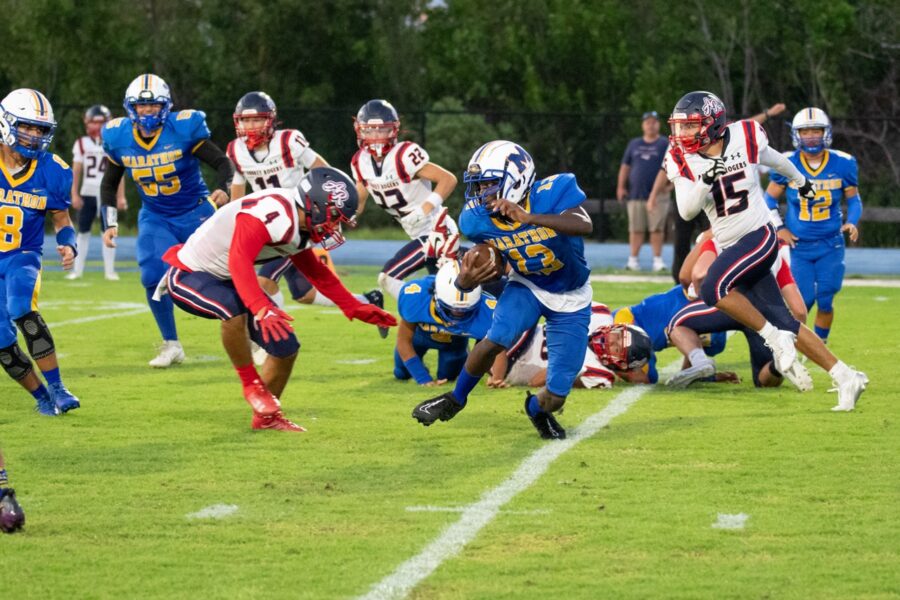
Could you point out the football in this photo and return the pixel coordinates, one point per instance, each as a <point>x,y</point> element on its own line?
<point>486,252</point>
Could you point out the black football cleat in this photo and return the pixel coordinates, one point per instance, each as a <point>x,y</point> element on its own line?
<point>444,407</point>
<point>12,517</point>
<point>377,298</point>
<point>546,424</point>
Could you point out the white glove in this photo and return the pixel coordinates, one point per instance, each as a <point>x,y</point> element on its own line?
<point>414,220</point>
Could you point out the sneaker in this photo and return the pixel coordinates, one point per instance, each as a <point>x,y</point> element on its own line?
<point>632,264</point>
<point>546,424</point>
<point>12,517</point>
<point>46,406</point>
<point>63,398</point>
<point>849,391</point>
<point>261,400</point>
<point>444,407</point>
<point>170,353</point>
<point>658,265</point>
<point>377,298</point>
<point>72,275</point>
<point>782,345</point>
<point>799,376</point>
<point>686,377</point>
<point>112,276</point>
<point>259,353</point>
<point>277,422</point>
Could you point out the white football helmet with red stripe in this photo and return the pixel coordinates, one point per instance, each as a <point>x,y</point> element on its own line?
<point>26,107</point>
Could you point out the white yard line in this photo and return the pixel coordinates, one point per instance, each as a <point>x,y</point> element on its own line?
<point>726,521</point>
<point>216,511</point>
<point>886,283</point>
<point>136,311</point>
<point>478,515</point>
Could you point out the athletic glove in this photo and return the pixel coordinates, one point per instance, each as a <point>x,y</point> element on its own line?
<point>715,171</point>
<point>373,315</point>
<point>415,219</point>
<point>274,324</point>
<point>806,190</point>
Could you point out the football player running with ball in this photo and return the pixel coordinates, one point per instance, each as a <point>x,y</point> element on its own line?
<point>213,276</point>
<point>538,227</point>
<point>713,167</point>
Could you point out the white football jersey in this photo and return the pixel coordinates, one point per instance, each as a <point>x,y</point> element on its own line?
<point>207,249</point>
<point>392,182</point>
<point>89,152</point>
<point>735,205</point>
<point>280,164</point>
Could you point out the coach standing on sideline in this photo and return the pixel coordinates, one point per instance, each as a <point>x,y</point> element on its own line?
<point>641,162</point>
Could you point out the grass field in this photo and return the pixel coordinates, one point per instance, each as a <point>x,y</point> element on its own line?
<point>627,513</point>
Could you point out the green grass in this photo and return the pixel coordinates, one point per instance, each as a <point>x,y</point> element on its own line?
<point>322,514</point>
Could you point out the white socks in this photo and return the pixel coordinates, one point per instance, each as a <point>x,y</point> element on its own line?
<point>767,331</point>
<point>698,357</point>
<point>83,241</point>
<point>840,372</point>
<point>109,259</point>
<point>278,299</point>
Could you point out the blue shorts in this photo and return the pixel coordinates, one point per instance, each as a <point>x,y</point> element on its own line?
<point>518,310</point>
<point>203,295</point>
<point>20,284</point>
<point>818,268</point>
<point>158,233</point>
<point>451,355</point>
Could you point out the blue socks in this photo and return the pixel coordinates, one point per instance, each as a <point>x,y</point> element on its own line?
<point>465,383</point>
<point>822,332</point>
<point>164,313</point>
<point>40,393</point>
<point>52,376</point>
<point>533,407</point>
<point>4,479</point>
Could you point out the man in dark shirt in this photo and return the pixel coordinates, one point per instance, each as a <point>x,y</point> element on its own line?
<point>641,162</point>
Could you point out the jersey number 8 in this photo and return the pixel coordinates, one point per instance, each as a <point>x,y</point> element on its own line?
<point>10,228</point>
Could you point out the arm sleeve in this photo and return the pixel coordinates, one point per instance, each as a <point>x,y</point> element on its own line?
<point>324,280</point>
<point>250,235</point>
<point>690,196</point>
<point>854,210</point>
<point>212,155</point>
<point>780,163</point>
<point>109,185</point>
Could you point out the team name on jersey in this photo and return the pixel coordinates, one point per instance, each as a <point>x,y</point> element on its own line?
<point>523,238</point>
<point>823,184</point>
<point>152,160</point>
<point>23,199</point>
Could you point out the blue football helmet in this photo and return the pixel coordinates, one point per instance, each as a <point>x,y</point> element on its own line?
<point>255,105</point>
<point>498,170</point>
<point>148,89</point>
<point>26,107</point>
<point>811,118</point>
<point>377,127</point>
<point>329,199</point>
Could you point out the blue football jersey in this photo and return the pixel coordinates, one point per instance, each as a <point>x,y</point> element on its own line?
<point>552,261</point>
<point>821,217</point>
<point>45,184</point>
<point>164,168</point>
<point>416,305</point>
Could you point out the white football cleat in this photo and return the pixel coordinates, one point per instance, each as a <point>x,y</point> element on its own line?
<point>686,377</point>
<point>632,264</point>
<point>73,275</point>
<point>849,391</point>
<point>658,265</point>
<point>782,345</point>
<point>170,353</point>
<point>799,376</point>
<point>259,353</point>
<point>112,276</point>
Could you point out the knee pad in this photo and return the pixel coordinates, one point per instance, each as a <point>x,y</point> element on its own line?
<point>15,363</point>
<point>37,335</point>
<point>551,402</point>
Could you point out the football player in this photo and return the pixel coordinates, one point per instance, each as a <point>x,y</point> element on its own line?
<point>814,227</point>
<point>12,517</point>
<point>212,276</point>
<point>88,166</point>
<point>35,182</point>
<point>538,226</point>
<point>713,167</point>
<point>400,177</point>
<point>266,157</point>
<point>162,151</point>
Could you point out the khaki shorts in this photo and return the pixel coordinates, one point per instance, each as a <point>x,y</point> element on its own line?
<point>639,221</point>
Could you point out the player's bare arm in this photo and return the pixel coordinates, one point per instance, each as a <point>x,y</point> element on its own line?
<point>66,251</point>
<point>574,221</point>
<point>363,195</point>
<point>444,183</point>
<point>238,190</point>
<point>77,201</point>
<point>497,374</point>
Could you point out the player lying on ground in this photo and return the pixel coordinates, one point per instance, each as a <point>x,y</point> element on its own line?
<point>12,517</point>
<point>212,276</point>
<point>538,228</point>
<point>34,183</point>
<point>162,151</point>
<point>713,167</point>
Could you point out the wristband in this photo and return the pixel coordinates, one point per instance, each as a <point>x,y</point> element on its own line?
<point>109,217</point>
<point>66,237</point>
<point>417,369</point>
<point>435,200</point>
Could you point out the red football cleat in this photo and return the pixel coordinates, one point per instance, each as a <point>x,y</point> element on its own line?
<point>261,400</point>
<point>277,421</point>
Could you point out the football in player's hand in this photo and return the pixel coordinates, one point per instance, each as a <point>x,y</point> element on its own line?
<point>485,253</point>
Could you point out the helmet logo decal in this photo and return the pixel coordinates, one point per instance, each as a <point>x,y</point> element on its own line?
<point>338,192</point>
<point>712,106</point>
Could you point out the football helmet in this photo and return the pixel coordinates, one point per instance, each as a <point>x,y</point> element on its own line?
<point>697,108</point>
<point>621,347</point>
<point>94,118</point>
<point>377,126</point>
<point>451,303</point>
<point>26,107</point>
<point>499,169</point>
<point>148,89</point>
<point>255,105</point>
<point>811,118</point>
<point>328,198</point>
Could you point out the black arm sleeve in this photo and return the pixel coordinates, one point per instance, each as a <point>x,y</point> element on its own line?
<point>109,185</point>
<point>212,155</point>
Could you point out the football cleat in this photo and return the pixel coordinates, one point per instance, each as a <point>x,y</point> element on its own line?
<point>12,517</point>
<point>686,377</point>
<point>261,400</point>
<point>377,298</point>
<point>782,345</point>
<point>277,422</point>
<point>111,276</point>
<point>799,376</point>
<point>546,424</point>
<point>73,275</point>
<point>849,391</point>
<point>443,407</point>
<point>46,406</point>
<point>63,398</point>
<point>170,353</point>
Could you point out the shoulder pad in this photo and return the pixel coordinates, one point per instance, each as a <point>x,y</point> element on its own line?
<point>61,162</point>
<point>842,154</point>
<point>114,123</point>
